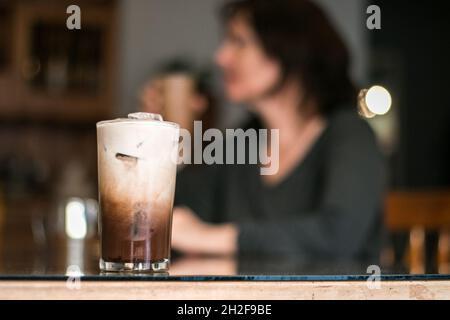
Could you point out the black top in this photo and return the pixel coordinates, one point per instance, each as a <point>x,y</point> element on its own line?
<point>328,207</point>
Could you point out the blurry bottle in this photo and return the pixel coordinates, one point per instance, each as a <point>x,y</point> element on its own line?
<point>72,226</point>
<point>74,185</point>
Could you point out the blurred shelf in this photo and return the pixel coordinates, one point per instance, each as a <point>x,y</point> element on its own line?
<point>50,72</point>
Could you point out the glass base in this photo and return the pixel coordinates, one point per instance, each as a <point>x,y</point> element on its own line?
<point>157,266</point>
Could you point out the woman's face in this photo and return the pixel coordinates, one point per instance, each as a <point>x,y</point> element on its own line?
<point>248,72</point>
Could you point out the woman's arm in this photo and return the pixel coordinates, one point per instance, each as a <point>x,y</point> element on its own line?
<point>200,233</point>
<point>193,236</point>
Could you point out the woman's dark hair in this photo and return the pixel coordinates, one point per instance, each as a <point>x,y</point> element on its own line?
<point>298,35</point>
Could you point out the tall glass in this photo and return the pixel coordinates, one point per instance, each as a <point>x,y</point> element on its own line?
<point>136,172</point>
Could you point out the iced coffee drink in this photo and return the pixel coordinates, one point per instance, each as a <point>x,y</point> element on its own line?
<point>136,172</point>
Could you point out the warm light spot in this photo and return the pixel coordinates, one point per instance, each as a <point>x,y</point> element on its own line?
<point>378,100</point>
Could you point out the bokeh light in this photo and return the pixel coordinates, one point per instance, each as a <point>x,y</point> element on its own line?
<point>378,100</point>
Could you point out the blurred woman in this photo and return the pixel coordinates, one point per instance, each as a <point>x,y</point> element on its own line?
<point>288,64</point>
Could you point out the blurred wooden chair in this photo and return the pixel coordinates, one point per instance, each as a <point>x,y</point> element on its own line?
<point>417,212</point>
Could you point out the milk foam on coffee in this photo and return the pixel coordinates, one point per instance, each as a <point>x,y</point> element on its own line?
<point>136,158</point>
<point>137,172</point>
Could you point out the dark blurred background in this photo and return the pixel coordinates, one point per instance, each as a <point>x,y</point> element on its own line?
<point>55,84</point>
<point>410,55</point>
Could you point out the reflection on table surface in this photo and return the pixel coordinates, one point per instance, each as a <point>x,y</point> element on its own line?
<point>31,247</point>
<point>65,257</point>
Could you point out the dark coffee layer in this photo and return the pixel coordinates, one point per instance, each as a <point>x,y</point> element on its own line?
<point>134,232</point>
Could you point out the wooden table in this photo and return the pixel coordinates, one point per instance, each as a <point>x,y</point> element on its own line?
<point>180,290</point>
